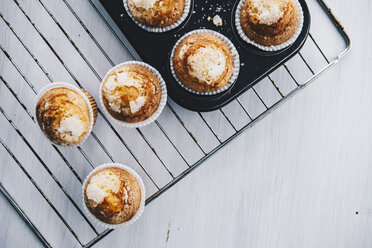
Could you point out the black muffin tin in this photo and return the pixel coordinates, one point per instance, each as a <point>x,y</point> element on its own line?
<point>155,49</point>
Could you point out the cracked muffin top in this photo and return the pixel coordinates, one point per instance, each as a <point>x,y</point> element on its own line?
<point>113,195</point>
<point>131,93</point>
<point>203,62</point>
<point>270,22</point>
<point>156,13</point>
<point>63,116</point>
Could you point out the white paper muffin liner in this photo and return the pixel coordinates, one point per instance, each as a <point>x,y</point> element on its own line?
<point>163,100</point>
<point>51,86</point>
<point>289,42</point>
<point>185,13</point>
<point>234,54</point>
<point>143,195</point>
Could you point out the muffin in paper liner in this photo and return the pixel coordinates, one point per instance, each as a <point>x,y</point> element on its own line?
<point>143,195</point>
<point>92,106</point>
<point>234,54</point>
<point>163,100</point>
<point>245,37</point>
<point>181,19</point>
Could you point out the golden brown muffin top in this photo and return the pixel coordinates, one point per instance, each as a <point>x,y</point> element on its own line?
<point>131,93</point>
<point>113,195</point>
<point>269,18</point>
<point>63,116</point>
<point>203,62</point>
<point>156,13</point>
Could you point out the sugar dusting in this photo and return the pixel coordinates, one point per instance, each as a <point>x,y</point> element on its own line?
<point>71,128</point>
<point>207,64</point>
<point>145,4</point>
<point>137,104</point>
<point>267,11</point>
<point>117,80</point>
<point>102,185</point>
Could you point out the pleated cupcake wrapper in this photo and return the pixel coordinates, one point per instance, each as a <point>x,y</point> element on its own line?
<point>234,54</point>
<point>93,103</point>
<point>245,37</point>
<point>92,106</point>
<point>185,13</point>
<point>163,100</point>
<point>143,195</point>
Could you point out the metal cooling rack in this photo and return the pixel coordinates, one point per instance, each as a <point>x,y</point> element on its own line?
<point>283,84</point>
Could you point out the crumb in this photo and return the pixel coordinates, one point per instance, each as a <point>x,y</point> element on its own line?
<point>217,20</point>
<point>209,18</point>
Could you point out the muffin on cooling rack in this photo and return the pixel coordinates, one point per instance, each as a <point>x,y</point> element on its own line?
<point>65,114</point>
<point>114,194</point>
<point>270,22</point>
<point>156,13</point>
<point>202,62</point>
<point>133,92</point>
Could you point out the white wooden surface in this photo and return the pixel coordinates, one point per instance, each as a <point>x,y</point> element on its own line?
<point>296,179</point>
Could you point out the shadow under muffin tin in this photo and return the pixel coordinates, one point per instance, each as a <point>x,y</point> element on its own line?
<point>155,49</point>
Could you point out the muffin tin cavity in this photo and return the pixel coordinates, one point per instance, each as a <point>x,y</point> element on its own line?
<point>155,49</point>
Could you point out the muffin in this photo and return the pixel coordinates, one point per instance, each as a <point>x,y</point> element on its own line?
<point>64,115</point>
<point>113,195</point>
<point>156,13</point>
<point>203,62</point>
<point>270,22</point>
<point>131,93</point>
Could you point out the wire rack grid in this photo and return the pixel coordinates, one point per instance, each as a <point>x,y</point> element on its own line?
<point>174,145</point>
